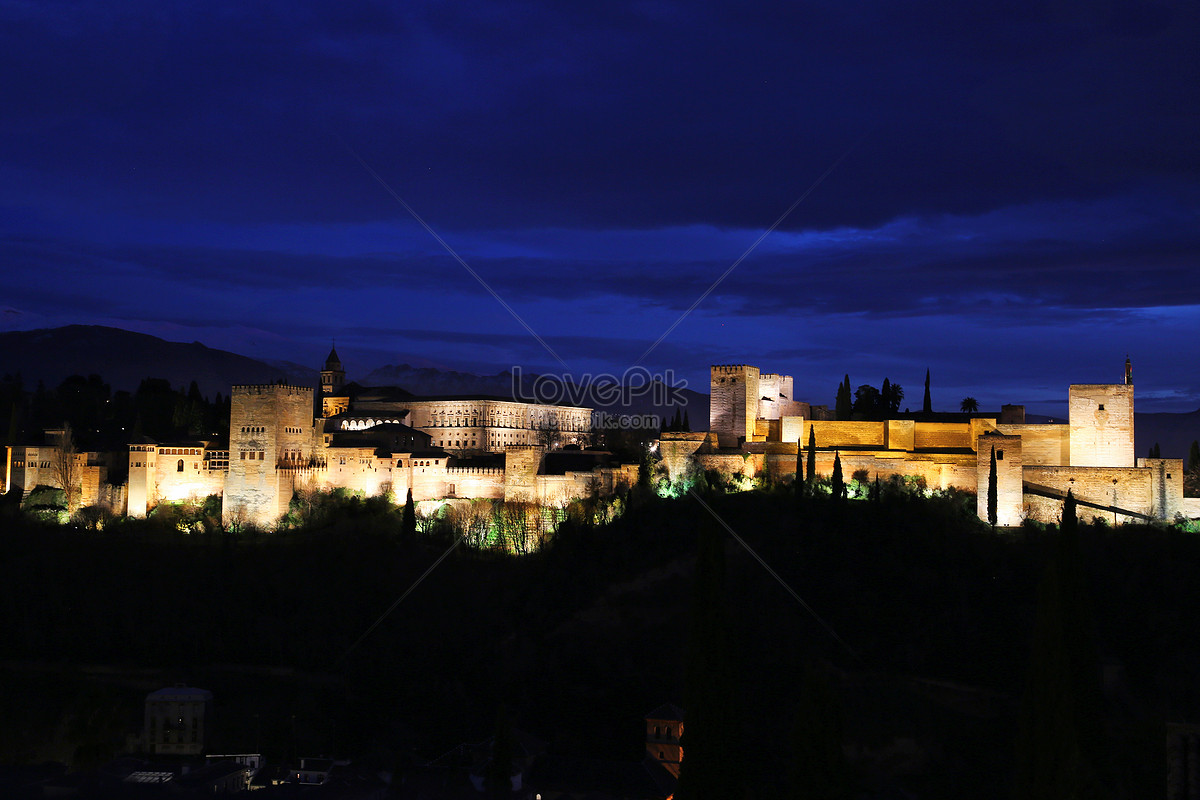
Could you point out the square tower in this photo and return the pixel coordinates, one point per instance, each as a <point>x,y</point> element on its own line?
<point>1101,421</point>
<point>733,403</point>
<point>270,429</point>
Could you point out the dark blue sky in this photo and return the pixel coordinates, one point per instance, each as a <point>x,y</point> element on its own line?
<point>1017,206</point>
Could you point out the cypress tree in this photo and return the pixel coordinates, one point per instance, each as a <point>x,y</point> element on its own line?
<point>836,486</point>
<point>1194,456</point>
<point>928,407</point>
<point>844,404</point>
<point>687,425</point>
<point>992,497</point>
<point>811,474</point>
<point>676,421</point>
<point>799,466</point>
<point>408,525</point>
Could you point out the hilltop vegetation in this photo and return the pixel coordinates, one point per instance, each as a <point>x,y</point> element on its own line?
<point>583,637</point>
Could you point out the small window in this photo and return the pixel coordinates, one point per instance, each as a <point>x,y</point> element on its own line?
<point>179,466</point>
<point>1102,406</point>
<point>999,455</point>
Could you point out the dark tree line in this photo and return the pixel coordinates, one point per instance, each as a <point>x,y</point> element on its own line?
<point>102,419</point>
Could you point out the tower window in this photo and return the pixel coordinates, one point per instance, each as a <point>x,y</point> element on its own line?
<point>999,455</point>
<point>1102,406</point>
<point>179,466</point>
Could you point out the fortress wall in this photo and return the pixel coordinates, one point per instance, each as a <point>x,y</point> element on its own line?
<point>476,482</point>
<point>1125,487</point>
<point>1010,508</point>
<point>165,482</point>
<point>1166,485</point>
<point>901,434</point>
<point>1044,445</point>
<point>939,471</point>
<point>1190,507</point>
<point>942,435</point>
<point>1101,422</point>
<point>791,428</point>
<point>677,448</point>
<point>730,465</point>
<point>848,434</point>
<point>763,428</point>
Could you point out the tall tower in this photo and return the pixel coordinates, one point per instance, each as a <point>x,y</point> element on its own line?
<point>270,431</point>
<point>333,377</point>
<point>1101,420</point>
<point>733,404</point>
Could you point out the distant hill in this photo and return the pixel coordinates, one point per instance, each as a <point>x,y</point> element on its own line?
<point>123,359</point>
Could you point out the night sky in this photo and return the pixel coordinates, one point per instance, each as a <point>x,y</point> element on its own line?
<point>1010,194</point>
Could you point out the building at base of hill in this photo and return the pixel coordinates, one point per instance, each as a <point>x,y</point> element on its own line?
<point>756,433</point>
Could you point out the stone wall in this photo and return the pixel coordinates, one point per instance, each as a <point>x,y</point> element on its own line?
<point>1101,422</point>
<point>676,450</point>
<point>848,434</point>
<point>1010,488</point>
<point>1128,488</point>
<point>173,473</point>
<point>942,436</point>
<point>1043,445</point>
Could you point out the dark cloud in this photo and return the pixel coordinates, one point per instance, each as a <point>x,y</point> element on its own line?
<point>1015,181</point>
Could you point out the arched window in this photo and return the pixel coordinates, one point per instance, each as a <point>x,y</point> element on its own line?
<point>179,466</point>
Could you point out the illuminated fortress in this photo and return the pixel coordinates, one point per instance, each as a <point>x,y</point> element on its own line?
<point>756,426</point>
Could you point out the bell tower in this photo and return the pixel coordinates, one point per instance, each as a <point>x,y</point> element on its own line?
<point>333,377</point>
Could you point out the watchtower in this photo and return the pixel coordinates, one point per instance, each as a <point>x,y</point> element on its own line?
<point>733,403</point>
<point>270,428</point>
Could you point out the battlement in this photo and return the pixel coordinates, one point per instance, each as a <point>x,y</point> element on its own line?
<point>732,369</point>
<point>270,388</point>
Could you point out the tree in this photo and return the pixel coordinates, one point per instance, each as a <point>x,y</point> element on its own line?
<point>928,405</point>
<point>969,405</point>
<point>799,466</point>
<point>1156,451</point>
<point>843,406</point>
<point>866,401</point>
<point>891,395</point>
<point>687,425</point>
<point>1194,456</point>
<point>837,486</point>
<point>811,473</point>
<point>408,524</point>
<point>66,470</point>
<point>993,499</point>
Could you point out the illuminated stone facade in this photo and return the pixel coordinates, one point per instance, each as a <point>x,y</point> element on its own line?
<point>1091,456</point>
